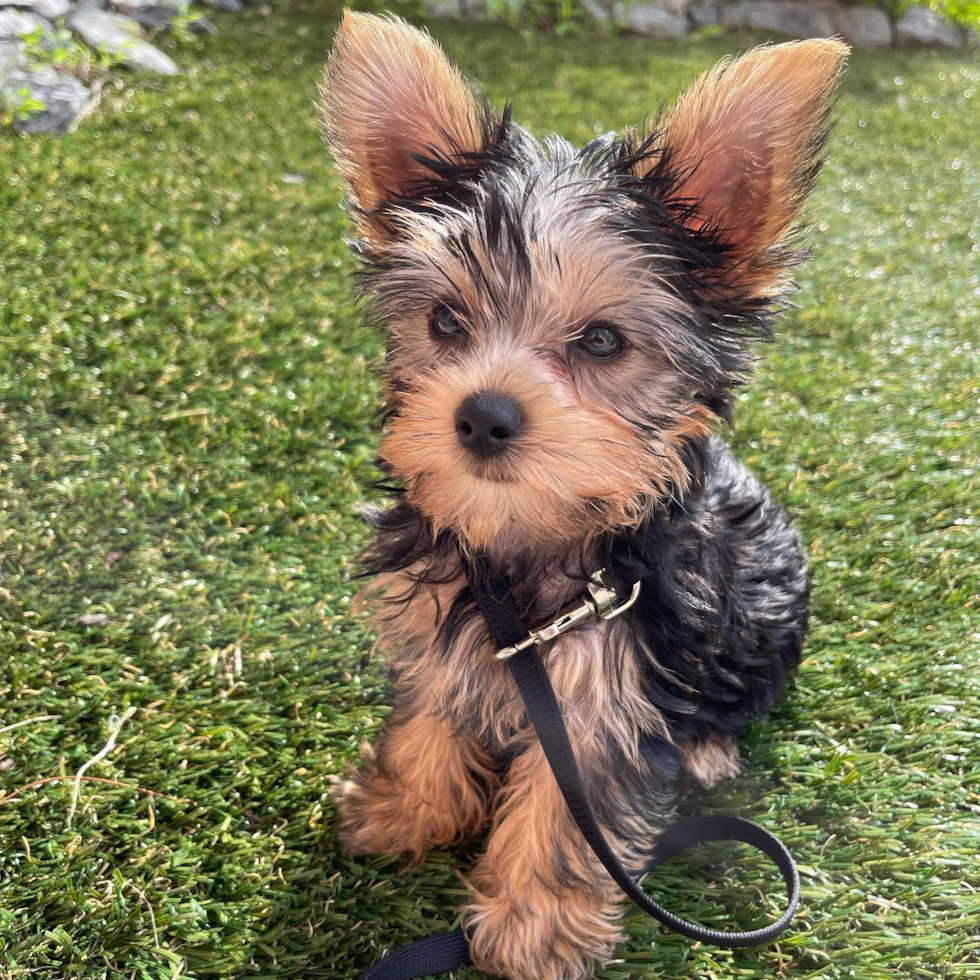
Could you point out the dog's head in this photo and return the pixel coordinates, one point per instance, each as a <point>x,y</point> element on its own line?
<point>565,325</point>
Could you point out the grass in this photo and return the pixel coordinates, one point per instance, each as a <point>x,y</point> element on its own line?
<point>187,404</point>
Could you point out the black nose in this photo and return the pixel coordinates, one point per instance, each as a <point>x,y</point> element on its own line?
<point>488,423</point>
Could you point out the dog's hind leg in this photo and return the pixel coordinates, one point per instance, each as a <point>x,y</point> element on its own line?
<point>711,760</point>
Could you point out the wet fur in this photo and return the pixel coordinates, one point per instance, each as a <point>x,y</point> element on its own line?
<point>682,238</point>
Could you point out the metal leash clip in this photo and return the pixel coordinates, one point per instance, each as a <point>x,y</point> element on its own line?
<point>600,603</point>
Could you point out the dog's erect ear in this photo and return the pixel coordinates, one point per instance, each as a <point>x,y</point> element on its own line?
<point>747,140</point>
<point>390,96</point>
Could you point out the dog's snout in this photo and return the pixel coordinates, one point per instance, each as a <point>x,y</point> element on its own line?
<point>487,423</point>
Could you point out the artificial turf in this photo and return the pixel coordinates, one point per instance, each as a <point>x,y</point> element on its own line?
<point>187,427</point>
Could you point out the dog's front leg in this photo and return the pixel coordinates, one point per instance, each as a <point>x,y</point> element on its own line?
<point>425,785</point>
<point>543,908</point>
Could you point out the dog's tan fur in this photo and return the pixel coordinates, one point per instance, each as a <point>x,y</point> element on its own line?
<point>542,907</point>
<point>712,760</point>
<point>745,132</point>
<point>584,469</point>
<point>389,92</point>
<point>423,787</point>
<point>745,137</point>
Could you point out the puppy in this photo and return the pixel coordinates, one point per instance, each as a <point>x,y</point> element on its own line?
<point>566,333</point>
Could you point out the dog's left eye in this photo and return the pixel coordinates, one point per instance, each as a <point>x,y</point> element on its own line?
<point>444,323</point>
<point>600,340</point>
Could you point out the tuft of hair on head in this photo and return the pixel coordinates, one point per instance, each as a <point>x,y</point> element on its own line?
<point>745,145</point>
<point>396,112</point>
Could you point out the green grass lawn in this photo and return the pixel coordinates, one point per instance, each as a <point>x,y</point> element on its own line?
<point>186,406</point>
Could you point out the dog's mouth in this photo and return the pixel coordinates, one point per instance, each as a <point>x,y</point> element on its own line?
<point>489,473</point>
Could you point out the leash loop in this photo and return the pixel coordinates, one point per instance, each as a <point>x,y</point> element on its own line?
<point>449,951</point>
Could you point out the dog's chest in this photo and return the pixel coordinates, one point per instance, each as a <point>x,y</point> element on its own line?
<point>445,658</point>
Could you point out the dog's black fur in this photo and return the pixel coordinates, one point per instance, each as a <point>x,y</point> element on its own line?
<point>687,236</point>
<point>723,606</point>
<point>720,620</point>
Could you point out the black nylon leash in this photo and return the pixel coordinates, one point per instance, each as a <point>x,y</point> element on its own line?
<point>449,951</point>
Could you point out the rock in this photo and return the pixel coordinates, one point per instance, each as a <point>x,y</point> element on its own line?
<point>63,95</point>
<point>677,7</point>
<point>93,22</point>
<point>11,57</point>
<point>920,26</point>
<point>703,14</point>
<point>865,27</point>
<point>120,36</point>
<point>232,6</point>
<point>650,19</point>
<point>16,23</point>
<point>469,10</point>
<point>201,25</point>
<point>51,9</point>
<point>132,7</point>
<point>789,17</point>
<point>154,18</point>
<point>597,11</point>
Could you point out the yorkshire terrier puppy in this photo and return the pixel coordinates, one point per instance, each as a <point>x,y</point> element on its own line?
<point>567,330</point>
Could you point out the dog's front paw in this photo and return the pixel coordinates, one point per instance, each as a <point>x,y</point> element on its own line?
<point>381,814</point>
<point>372,815</point>
<point>542,935</point>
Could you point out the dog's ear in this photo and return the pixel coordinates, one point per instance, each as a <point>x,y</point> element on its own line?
<point>391,103</point>
<point>746,142</point>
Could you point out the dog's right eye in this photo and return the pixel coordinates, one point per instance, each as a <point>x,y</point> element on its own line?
<point>444,323</point>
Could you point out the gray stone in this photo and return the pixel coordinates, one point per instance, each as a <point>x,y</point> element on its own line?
<point>789,17</point>
<point>16,23</point>
<point>599,12</point>
<point>63,95</point>
<point>51,9</point>
<point>11,58</point>
<point>650,19</point>
<point>921,26</point>
<point>154,18</point>
<point>120,36</point>
<point>734,14</point>
<point>703,14</point>
<point>677,7</point>
<point>132,7</point>
<point>201,25</point>
<point>94,21</point>
<point>469,10</point>
<point>865,27</point>
<point>48,9</point>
